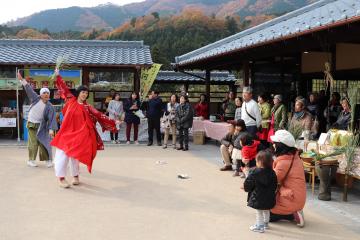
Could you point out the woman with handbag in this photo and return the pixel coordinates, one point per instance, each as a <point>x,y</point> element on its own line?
<point>115,110</point>
<point>265,110</point>
<point>168,120</point>
<point>289,169</point>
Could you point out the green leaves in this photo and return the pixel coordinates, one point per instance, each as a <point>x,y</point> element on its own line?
<point>61,62</point>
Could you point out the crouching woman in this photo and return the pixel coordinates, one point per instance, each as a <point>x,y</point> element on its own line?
<point>288,166</point>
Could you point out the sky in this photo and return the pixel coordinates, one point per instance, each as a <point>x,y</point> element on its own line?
<point>13,9</point>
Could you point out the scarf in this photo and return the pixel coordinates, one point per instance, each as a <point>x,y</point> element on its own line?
<point>299,115</point>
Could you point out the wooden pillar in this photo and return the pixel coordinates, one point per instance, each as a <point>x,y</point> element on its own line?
<point>233,88</point>
<point>246,73</point>
<point>207,85</point>
<point>186,87</point>
<point>282,73</point>
<point>137,74</point>
<point>85,77</point>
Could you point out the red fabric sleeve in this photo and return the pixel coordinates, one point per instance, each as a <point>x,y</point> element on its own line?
<point>105,122</point>
<point>63,89</point>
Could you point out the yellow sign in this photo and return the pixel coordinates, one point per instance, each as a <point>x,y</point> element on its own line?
<point>147,79</point>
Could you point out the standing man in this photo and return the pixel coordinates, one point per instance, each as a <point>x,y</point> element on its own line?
<point>250,112</point>
<point>41,124</point>
<point>154,113</point>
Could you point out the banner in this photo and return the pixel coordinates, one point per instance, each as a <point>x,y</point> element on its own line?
<point>147,79</point>
<point>39,78</point>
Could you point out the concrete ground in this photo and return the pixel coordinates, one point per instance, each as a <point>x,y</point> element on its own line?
<point>130,196</point>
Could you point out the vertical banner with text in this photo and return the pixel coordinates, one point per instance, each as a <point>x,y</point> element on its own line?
<point>147,79</point>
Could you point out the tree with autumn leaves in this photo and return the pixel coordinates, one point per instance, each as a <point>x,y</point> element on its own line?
<point>170,36</point>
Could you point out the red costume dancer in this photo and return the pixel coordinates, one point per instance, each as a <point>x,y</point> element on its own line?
<point>77,140</point>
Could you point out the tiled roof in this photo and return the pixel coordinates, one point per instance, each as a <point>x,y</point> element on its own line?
<point>316,15</point>
<point>167,76</point>
<point>81,52</point>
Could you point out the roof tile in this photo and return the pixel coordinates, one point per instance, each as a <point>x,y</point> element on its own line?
<point>21,51</point>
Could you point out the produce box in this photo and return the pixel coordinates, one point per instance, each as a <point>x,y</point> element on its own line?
<point>199,137</point>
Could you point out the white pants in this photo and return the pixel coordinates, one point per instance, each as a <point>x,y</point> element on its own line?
<point>61,161</point>
<point>262,217</point>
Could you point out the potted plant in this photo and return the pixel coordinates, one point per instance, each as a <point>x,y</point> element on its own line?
<point>353,143</point>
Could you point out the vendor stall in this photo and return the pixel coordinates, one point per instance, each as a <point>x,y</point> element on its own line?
<point>328,158</point>
<point>213,130</point>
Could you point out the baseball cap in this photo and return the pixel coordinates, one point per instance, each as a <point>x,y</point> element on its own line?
<point>285,137</point>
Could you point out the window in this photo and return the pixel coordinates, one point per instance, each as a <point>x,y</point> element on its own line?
<point>7,72</point>
<point>104,80</point>
<point>8,78</point>
<point>340,86</point>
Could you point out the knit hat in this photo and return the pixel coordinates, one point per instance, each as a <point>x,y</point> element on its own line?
<point>285,137</point>
<point>279,97</point>
<point>44,90</point>
<point>301,100</point>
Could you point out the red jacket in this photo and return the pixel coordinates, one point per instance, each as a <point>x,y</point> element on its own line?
<point>78,136</point>
<point>249,151</point>
<point>202,110</point>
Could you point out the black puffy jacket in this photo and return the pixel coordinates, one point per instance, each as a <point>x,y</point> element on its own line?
<point>261,186</point>
<point>184,116</point>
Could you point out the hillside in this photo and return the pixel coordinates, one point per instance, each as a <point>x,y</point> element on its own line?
<point>169,36</point>
<point>109,16</point>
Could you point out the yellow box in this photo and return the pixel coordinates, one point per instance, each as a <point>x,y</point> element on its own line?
<point>199,137</point>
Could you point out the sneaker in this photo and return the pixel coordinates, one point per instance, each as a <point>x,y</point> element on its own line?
<point>257,228</point>
<point>266,226</point>
<point>113,142</point>
<point>76,181</point>
<point>117,142</point>
<point>165,146</point>
<point>236,174</point>
<point>150,144</point>
<point>137,143</point>
<point>242,175</point>
<point>31,163</point>
<point>64,184</point>
<point>49,164</point>
<point>128,142</point>
<point>299,218</point>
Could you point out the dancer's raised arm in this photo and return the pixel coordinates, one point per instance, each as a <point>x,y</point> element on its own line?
<point>32,95</point>
<point>61,85</point>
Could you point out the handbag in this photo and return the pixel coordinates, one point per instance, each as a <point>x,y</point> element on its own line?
<point>139,113</point>
<point>279,184</point>
<point>164,121</point>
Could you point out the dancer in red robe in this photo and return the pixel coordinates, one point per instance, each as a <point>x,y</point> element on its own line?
<point>78,140</point>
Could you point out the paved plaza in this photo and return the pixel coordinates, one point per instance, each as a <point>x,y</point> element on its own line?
<point>134,193</point>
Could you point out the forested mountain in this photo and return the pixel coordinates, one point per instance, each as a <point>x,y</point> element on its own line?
<point>109,16</point>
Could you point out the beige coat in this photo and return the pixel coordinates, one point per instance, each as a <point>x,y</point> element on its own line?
<point>305,121</point>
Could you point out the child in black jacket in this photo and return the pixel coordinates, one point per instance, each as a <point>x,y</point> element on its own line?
<point>261,185</point>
